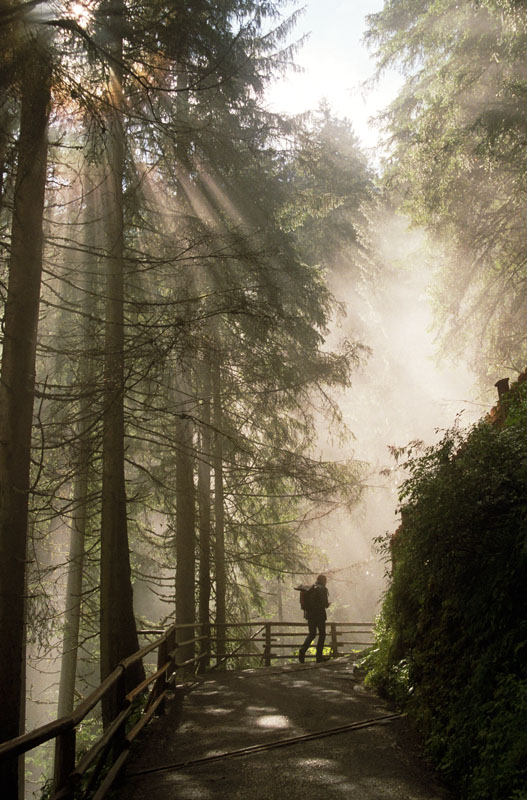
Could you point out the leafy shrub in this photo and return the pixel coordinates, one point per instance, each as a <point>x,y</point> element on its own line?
<point>451,641</point>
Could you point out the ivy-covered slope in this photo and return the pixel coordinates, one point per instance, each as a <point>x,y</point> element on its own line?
<point>452,635</point>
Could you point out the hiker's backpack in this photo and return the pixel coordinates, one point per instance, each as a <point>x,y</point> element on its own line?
<point>307,594</point>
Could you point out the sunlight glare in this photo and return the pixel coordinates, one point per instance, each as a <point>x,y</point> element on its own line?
<point>82,12</point>
<point>221,198</point>
<point>273,721</point>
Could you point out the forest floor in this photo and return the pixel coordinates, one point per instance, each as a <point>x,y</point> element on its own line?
<point>230,711</point>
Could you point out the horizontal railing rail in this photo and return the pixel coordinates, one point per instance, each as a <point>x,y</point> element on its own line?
<point>289,636</point>
<point>262,641</point>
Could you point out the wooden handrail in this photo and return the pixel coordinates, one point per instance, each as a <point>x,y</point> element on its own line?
<point>229,655</point>
<point>140,654</point>
<point>276,624</point>
<point>147,681</point>
<point>92,754</point>
<point>63,729</point>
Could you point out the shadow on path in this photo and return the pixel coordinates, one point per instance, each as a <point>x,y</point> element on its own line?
<point>229,711</point>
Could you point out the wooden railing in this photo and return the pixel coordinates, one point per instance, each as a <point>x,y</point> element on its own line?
<point>249,642</point>
<point>281,640</point>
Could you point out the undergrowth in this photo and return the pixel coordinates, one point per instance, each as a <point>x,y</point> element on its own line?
<point>451,640</point>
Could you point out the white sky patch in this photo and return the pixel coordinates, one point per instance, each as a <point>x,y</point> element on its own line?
<point>336,63</point>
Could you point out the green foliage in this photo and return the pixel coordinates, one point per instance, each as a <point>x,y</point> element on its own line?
<point>387,673</point>
<point>457,163</point>
<point>452,636</point>
<point>47,790</point>
<point>329,182</point>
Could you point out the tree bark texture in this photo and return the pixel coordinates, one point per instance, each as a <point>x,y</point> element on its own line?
<point>17,385</point>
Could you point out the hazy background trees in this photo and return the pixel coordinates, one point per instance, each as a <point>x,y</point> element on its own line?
<point>457,162</point>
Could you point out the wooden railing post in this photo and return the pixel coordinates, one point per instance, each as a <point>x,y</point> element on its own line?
<point>64,763</point>
<point>267,648</point>
<point>334,640</point>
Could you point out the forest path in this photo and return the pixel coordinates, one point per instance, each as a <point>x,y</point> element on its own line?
<point>229,711</point>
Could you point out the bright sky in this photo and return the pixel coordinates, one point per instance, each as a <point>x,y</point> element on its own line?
<point>336,63</point>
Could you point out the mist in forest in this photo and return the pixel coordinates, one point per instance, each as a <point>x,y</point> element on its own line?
<point>183,240</point>
<point>403,391</point>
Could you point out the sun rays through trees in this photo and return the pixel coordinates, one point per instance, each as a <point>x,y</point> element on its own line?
<point>166,311</point>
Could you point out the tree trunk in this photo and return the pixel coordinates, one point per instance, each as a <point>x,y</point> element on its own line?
<point>219,513</point>
<point>73,602</point>
<point>279,602</point>
<point>118,629</point>
<point>17,383</point>
<point>185,523</point>
<point>204,492</point>
<point>72,613</point>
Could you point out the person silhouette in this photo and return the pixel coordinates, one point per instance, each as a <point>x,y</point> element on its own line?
<point>315,612</point>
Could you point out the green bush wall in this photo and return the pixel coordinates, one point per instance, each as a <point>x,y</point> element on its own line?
<point>452,636</point>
